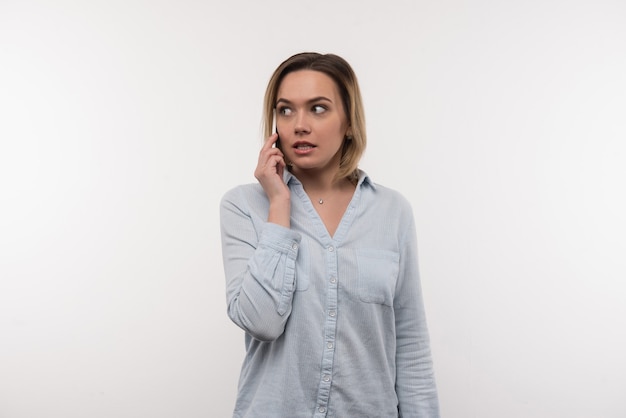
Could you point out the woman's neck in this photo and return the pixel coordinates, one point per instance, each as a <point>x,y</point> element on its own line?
<point>319,182</point>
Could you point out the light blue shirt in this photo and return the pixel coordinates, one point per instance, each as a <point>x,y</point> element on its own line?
<point>334,325</point>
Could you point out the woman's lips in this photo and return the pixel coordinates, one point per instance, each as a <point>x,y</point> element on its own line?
<point>303,148</point>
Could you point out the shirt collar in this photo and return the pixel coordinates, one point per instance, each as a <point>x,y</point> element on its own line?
<point>364,178</point>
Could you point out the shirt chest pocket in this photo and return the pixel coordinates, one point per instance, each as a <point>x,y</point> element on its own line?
<point>377,275</point>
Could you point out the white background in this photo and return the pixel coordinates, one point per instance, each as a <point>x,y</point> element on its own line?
<point>122,123</point>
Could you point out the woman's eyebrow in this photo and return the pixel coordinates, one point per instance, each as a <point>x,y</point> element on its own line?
<point>315,99</point>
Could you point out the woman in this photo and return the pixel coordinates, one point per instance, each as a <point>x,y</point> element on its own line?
<point>320,263</point>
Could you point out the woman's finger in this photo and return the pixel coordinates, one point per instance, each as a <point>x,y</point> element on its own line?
<point>269,142</point>
<point>267,154</point>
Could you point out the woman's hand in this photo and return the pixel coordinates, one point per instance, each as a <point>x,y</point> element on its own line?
<point>269,173</point>
<point>269,170</point>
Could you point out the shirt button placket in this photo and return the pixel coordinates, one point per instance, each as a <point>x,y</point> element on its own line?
<point>330,328</point>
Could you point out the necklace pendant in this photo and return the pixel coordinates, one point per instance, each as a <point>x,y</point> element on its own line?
<point>321,201</point>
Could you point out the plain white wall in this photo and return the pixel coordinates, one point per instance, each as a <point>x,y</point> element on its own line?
<point>123,122</point>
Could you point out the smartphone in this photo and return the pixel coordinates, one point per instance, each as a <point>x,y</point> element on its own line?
<point>275,130</point>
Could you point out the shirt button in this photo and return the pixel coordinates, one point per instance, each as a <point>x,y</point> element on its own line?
<point>332,313</point>
<point>321,409</point>
<point>326,378</point>
<point>331,248</point>
<point>329,345</point>
<point>294,246</point>
<point>333,280</point>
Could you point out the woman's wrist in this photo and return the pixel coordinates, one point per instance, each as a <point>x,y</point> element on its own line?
<point>280,212</point>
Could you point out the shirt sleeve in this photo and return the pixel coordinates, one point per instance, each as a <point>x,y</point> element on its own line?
<point>259,264</point>
<point>415,382</point>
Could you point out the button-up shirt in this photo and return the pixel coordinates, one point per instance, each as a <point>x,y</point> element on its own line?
<point>334,325</point>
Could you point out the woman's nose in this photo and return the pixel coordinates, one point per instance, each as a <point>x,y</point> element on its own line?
<point>302,124</point>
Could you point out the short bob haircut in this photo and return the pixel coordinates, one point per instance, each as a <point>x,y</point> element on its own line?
<point>340,71</point>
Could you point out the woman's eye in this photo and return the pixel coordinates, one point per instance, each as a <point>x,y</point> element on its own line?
<point>285,111</point>
<point>319,109</point>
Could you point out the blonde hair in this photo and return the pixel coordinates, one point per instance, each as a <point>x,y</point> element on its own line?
<point>342,74</point>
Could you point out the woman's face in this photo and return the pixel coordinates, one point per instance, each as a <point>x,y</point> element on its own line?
<point>310,120</point>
